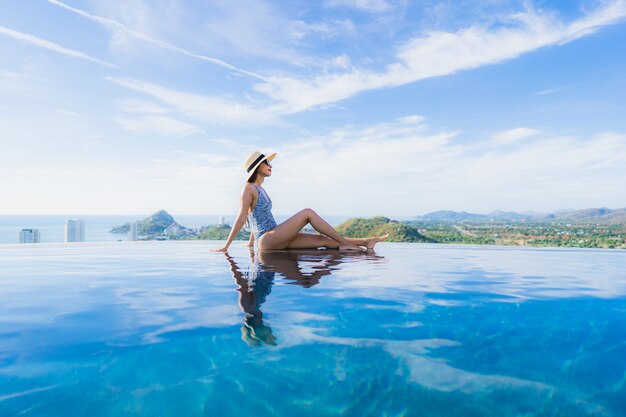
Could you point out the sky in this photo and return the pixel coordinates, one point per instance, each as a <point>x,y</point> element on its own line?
<point>375,107</point>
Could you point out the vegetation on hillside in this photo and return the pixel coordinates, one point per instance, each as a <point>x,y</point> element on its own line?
<point>151,225</point>
<point>575,235</point>
<point>220,232</point>
<point>376,226</point>
<point>600,234</point>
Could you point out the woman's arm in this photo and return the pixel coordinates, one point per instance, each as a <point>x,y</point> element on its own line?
<point>246,201</point>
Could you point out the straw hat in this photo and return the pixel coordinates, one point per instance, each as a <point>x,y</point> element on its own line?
<point>254,161</point>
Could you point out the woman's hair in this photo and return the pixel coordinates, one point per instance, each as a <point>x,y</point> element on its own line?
<point>253,177</point>
<point>251,180</point>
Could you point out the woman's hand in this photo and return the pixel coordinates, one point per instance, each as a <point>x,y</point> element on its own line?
<point>223,249</point>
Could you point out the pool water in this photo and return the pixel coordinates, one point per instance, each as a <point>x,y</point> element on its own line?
<point>171,329</point>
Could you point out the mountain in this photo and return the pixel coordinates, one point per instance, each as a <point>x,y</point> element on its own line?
<point>591,215</point>
<point>151,225</point>
<point>511,216</point>
<point>465,217</point>
<point>452,216</point>
<point>376,226</point>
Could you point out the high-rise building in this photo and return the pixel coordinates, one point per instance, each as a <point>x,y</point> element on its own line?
<point>29,236</point>
<point>74,230</point>
<point>222,220</point>
<point>133,231</point>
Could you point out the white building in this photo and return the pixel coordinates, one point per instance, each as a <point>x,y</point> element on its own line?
<point>133,232</point>
<point>173,229</point>
<point>29,236</point>
<point>222,220</point>
<point>74,230</point>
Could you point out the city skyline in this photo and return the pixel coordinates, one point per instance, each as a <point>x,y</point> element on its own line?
<point>374,107</point>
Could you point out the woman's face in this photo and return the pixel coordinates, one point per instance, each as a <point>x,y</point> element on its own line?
<point>265,168</point>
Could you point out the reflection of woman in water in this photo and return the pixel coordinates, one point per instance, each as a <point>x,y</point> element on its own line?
<point>256,206</point>
<point>287,264</point>
<point>255,284</point>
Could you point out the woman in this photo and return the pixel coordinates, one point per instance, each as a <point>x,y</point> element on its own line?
<point>256,206</point>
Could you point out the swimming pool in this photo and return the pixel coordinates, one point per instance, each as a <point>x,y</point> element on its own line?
<point>169,328</point>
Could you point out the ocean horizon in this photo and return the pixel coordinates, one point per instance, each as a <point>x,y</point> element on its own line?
<point>51,227</point>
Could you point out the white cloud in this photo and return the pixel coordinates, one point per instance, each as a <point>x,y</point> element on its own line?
<point>258,29</point>
<point>441,53</point>
<point>255,28</point>
<point>548,91</point>
<point>19,83</point>
<point>200,107</point>
<point>413,119</point>
<point>66,112</point>
<point>512,135</point>
<point>551,173</point>
<point>42,43</point>
<point>142,106</point>
<point>301,29</point>
<point>376,6</point>
<point>399,169</point>
<point>161,125</point>
<point>393,169</point>
<point>213,159</point>
<point>10,75</point>
<point>340,61</point>
<point>184,185</point>
<point>119,27</point>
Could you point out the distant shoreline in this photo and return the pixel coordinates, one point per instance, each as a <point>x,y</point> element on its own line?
<point>447,227</point>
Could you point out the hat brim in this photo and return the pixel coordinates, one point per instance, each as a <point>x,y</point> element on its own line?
<point>269,157</point>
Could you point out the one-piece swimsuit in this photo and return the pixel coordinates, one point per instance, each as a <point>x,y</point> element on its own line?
<point>261,218</point>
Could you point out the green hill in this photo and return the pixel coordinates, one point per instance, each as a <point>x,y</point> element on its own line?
<point>376,226</point>
<point>152,225</point>
<point>221,232</point>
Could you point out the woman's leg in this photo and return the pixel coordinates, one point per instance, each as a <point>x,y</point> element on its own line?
<point>282,235</point>
<point>357,241</point>
<point>310,241</point>
<point>307,241</point>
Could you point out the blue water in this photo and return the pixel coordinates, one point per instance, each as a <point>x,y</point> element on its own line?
<point>171,329</point>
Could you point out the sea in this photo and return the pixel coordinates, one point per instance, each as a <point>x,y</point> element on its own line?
<point>51,227</point>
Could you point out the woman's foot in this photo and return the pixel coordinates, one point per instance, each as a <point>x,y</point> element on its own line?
<point>350,247</point>
<point>372,241</point>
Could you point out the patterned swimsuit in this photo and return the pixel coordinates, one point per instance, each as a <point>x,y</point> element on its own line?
<point>261,219</point>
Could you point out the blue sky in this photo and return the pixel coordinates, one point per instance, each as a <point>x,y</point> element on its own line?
<point>374,107</point>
